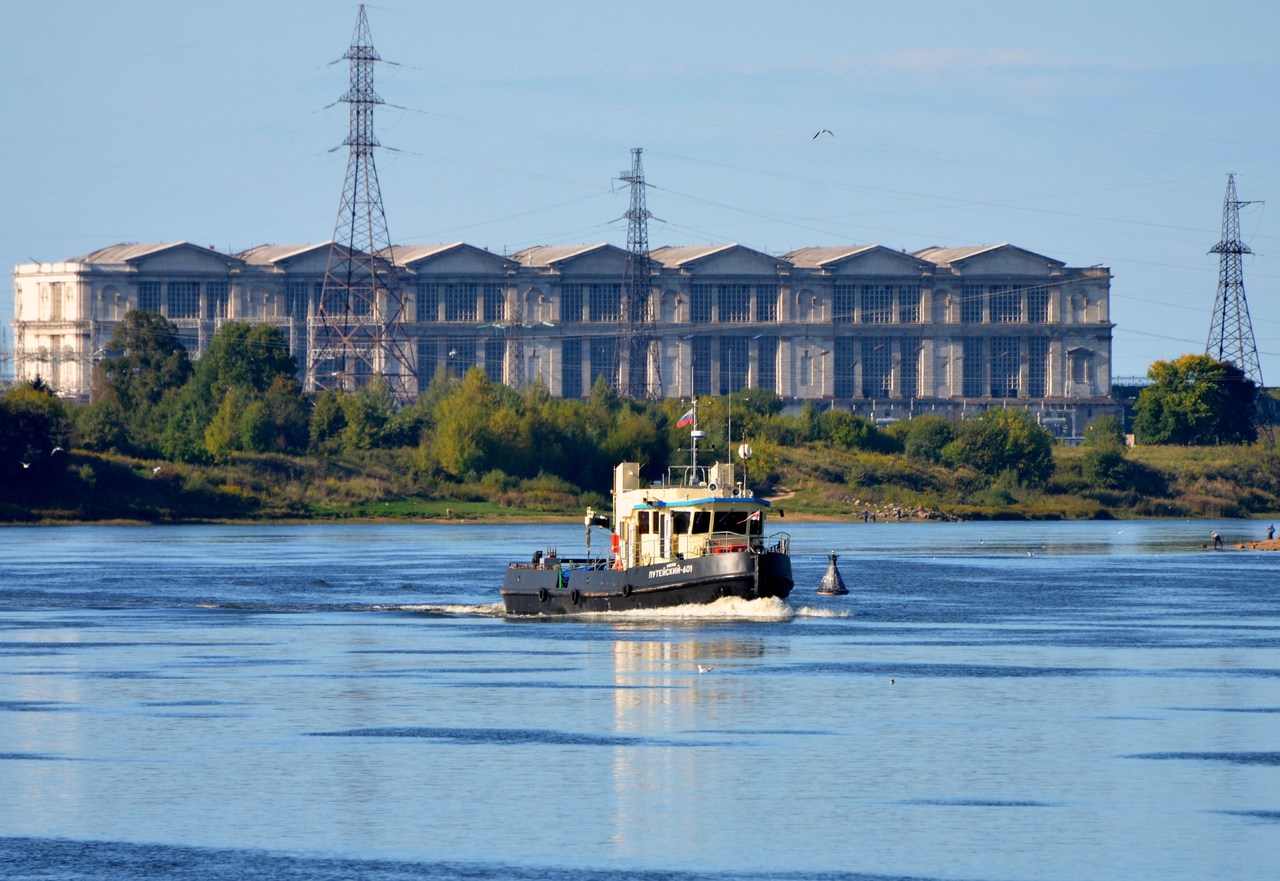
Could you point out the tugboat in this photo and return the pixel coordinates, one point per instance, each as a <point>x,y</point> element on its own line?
<point>693,539</point>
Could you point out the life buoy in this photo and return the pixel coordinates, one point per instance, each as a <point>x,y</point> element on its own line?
<point>617,544</point>
<point>542,594</point>
<point>573,596</point>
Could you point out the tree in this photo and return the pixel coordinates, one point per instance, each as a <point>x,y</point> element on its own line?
<point>1195,401</point>
<point>366,412</point>
<point>463,443</point>
<point>148,366</point>
<point>246,355</point>
<point>1103,462</point>
<point>842,429</point>
<point>35,433</point>
<point>1003,439</point>
<point>926,436</point>
<point>288,415</point>
<point>151,363</point>
<point>1104,431</point>
<point>1105,465</point>
<point>327,421</point>
<point>102,426</point>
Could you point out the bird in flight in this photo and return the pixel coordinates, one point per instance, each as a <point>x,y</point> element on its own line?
<point>823,131</point>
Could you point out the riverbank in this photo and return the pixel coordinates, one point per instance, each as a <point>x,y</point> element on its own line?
<point>806,483</point>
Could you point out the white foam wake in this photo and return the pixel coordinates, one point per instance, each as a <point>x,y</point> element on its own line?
<point>482,610</point>
<point>723,609</point>
<point>816,612</point>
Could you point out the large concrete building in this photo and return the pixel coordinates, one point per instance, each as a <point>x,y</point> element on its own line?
<point>881,332</point>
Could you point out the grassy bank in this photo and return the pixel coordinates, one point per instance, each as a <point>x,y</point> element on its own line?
<point>812,481</point>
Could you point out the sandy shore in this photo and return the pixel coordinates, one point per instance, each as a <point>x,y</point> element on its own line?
<point>1272,545</point>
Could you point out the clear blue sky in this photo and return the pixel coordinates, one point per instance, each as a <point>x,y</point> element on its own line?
<point>1092,132</point>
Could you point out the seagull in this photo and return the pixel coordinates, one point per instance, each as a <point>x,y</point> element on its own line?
<point>55,450</point>
<point>26,464</point>
<point>702,669</point>
<point>155,470</point>
<point>823,131</point>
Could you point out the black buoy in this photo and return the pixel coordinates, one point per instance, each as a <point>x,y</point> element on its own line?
<point>832,583</point>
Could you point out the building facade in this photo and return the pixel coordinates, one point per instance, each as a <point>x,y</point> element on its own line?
<point>884,333</point>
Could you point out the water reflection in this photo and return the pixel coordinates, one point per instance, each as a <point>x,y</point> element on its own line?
<point>685,686</point>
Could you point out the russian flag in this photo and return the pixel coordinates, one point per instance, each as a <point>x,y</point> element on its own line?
<point>686,419</point>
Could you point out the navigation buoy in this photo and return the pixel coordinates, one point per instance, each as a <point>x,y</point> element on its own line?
<point>832,583</point>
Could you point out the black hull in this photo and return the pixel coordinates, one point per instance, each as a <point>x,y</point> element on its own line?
<point>574,591</point>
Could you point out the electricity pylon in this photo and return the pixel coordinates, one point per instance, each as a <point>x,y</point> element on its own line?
<point>636,377</point>
<point>356,329</point>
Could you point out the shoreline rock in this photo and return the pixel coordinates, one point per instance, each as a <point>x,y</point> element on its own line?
<point>1265,545</point>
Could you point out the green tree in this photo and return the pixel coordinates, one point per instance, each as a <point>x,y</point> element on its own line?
<point>463,442</point>
<point>752,410</point>
<point>1196,400</point>
<point>288,416</point>
<point>251,356</point>
<point>327,421</point>
<point>222,436</point>
<point>1104,431</point>
<point>1103,463</point>
<point>151,362</point>
<point>35,432</point>
<point>926,436</point>
<point>147,365</point>
<point>842,429</point>
<point>185,415</point>
<point>102,426</point>
<point>1003,439</point>
<point>366,413</point>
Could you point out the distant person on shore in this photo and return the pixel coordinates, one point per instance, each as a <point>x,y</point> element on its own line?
<point>1217,540</point>
<point>1271,532</point>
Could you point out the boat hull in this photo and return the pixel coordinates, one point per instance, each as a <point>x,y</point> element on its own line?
<point>531,590</point>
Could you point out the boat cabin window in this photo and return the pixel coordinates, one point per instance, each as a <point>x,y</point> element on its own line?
<point>680,522</point>
<point>737,522</point>
<point>701,522</point>
<point>642,520</point>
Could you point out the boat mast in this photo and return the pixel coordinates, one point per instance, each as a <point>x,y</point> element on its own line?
<point>694,434</point>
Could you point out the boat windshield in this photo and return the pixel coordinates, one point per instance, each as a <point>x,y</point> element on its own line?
<point>707,522</point>
<point>737,522</point>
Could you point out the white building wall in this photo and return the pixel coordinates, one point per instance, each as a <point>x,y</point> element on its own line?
<point>65,314</point>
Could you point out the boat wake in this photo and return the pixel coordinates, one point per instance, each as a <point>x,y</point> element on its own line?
<point>817,612</point>
<point>724,609</point>
<point>455,610</point>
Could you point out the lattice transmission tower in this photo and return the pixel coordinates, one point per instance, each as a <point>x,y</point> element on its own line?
<point>1231,331</point>
<point>639,371</point>
<point>356,329</point>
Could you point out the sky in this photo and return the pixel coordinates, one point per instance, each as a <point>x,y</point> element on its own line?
<point>1089,132</point>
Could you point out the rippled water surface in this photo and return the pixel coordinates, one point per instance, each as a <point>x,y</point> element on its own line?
<point>990,701</point>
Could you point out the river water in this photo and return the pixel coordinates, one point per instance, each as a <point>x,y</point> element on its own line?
<point>990,701</point>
